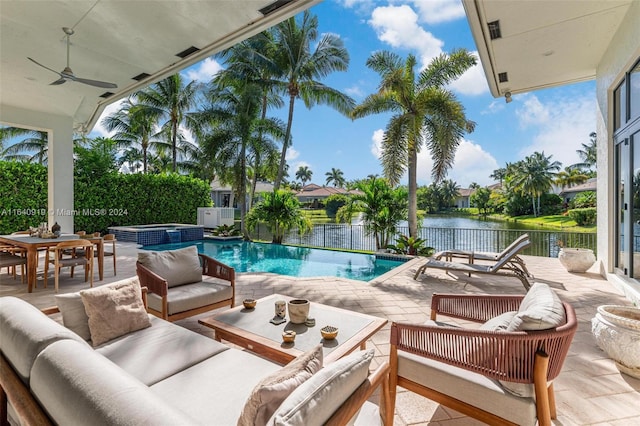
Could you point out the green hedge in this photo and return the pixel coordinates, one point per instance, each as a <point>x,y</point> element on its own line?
<point>109,200</point>
<point>584,217</point>
<point>23,195</point>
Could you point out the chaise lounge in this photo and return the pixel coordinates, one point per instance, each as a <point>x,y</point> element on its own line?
<point>509,264</point>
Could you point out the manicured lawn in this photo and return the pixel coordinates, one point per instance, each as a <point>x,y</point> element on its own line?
<point>553,221</point>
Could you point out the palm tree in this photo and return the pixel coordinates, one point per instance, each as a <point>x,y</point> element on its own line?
<point>134,126</point>
<point>570,176</point>
<point>280,210</point>
<point>382,208</point>
<point>302,69</point>
<point>589,152</point>
<point>499,174</point>
<point>33,148</point>
<point>304,174</point>
<point>425,111</point>
<point>236,128</point>
<point>336,176</point>
<point>169,99</point>
<point>449,191</point>
<point>535,176</point>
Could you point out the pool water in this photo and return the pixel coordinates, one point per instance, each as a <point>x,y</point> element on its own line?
<point>286,260</point>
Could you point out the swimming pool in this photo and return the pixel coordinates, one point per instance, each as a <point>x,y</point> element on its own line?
<point>246,256</point>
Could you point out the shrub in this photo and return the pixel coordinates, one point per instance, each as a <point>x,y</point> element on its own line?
<point>23,196</point>
<point>583,200</point>
<point>551,204</point>
<point>333,204</point>
<point>583,217</point>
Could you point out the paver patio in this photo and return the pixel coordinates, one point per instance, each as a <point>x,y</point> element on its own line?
<point>589,391</point>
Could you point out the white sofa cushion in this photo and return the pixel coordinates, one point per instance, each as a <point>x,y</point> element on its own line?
<point>313,402</point>
<point>181,266</point>
<point>25,332</point>
<point>74,317</point>
<point>269,393</point>
<point>77,386</point>
<point>160,351</point>
<point>114,310</point>
<point>223,383</point>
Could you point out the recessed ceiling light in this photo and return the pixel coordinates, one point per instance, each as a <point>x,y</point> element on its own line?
<point>548,53</point>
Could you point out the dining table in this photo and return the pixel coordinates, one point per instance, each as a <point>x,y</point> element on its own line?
<point>33,244</point>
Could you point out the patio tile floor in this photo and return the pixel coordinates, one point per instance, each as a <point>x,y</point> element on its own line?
<point>589,391</point>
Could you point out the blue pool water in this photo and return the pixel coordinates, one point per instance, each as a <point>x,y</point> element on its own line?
<point>286,260</point>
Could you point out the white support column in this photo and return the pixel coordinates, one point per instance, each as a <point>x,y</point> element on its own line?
<point>60,173</point>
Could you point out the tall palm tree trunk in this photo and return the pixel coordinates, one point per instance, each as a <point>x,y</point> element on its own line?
<point>413,189</point>
<point>287,135</point>
<point>174,137</point>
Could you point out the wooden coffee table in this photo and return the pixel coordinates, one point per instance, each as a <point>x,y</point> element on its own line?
<point>251,329</point>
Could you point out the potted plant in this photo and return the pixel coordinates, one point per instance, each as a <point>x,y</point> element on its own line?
<point>617,332</point>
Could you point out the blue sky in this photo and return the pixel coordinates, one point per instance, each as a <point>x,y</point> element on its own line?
<point>555,121</point>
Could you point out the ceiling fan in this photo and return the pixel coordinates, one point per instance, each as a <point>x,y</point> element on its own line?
<point>67,74</point>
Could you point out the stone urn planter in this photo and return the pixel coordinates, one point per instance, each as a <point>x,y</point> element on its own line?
<point>298,310</point>
<point>617,332</point>
<point>576,259</point>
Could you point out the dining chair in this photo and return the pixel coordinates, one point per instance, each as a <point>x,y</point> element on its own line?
<point>110,238</point>
<point>11,257</point>
<point>59,261</point>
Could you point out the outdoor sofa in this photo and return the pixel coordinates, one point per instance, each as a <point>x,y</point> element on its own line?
<point>159,373</point>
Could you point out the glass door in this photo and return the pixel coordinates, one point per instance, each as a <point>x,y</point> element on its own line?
<point>622,160</point>
<point>634,266</point>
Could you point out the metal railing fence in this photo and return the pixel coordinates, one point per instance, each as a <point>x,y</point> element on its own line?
<point>545,243</point>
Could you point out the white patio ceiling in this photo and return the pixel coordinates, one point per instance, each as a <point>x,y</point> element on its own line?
<point>114,41</point>
<point>543,43</point>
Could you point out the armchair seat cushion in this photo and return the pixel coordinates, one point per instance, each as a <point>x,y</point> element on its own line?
<point>192,296</point>
<point>466,386</point>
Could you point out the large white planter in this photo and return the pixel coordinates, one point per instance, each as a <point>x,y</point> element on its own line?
<point>617,332</point>
<point>576,259</point>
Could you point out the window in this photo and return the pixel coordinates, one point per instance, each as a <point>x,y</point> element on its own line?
<point>634,92</point>
<point>620,105</point>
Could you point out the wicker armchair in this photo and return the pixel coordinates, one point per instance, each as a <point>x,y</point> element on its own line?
<point>463,368</point>
<point>174,302</point>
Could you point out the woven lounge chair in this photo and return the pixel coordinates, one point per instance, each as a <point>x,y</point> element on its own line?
<point>497,376</point>
<point>509,265</point>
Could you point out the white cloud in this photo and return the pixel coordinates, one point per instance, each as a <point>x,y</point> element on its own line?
<point>437,11</point>
<point>292,154</point>
<point>471,164</point>
<point>560,126</point>
<point>472,82</point>
<point>494,107</point>
<point>376,146</point>
<point>99,130</point>
<point>205,70</point>
<point>354,91</point>
<point>398,26</point>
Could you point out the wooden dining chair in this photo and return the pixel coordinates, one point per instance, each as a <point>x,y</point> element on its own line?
<point>59,261</point>
<point>110,238</point>
<point>11,257</point>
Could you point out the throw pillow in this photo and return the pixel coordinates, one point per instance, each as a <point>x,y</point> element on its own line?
<point>178,267</point>
<point>313,402</point>
<point>499,323</point>
<point>541,309</point>
<point>114,310</point>
<point>269,393</point>
<point>74,316</point>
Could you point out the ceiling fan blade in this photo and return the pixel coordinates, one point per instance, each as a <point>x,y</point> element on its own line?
<point>43,66</point>
<point>96,83</point>
<point>58,82</point>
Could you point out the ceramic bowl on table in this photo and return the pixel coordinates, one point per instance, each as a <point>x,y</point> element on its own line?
<point>249,303</point>
<point>329,332</point>
<point>288,336</point>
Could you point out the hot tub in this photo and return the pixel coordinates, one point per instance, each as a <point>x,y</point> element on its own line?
<point>161,233</point>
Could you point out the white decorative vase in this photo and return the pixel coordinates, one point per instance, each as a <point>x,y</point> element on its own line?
<point>576,259</point>
<point>298,310</point>
<point>617,332</point>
